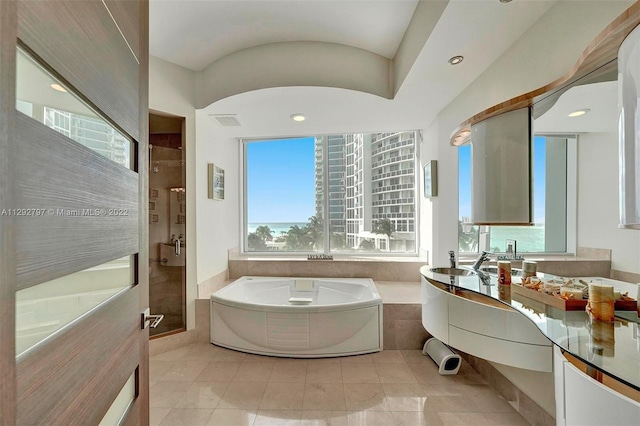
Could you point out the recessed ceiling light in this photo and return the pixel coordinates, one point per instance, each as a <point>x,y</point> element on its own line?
<point>579,112</point>
<point>59,88</point>
<point>298,117</point>
<point>506,1</point>
<point>456,60</point>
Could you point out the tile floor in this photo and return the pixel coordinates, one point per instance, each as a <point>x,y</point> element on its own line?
<point>202,384</point>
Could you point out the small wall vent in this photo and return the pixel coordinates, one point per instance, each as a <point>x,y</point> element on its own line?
<point>225,120</point>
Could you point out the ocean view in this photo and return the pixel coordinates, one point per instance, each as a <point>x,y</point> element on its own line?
<point>529,238</point>
<point>276,227</point>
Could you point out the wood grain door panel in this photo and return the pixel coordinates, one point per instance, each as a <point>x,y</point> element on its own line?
<point>89,205</point>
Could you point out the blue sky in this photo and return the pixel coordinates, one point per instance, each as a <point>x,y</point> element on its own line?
<point>281,181</point>
<point>539,150</point>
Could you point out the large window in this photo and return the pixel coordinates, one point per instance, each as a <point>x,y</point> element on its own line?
<point>549,185</point>
<point>332,193</point>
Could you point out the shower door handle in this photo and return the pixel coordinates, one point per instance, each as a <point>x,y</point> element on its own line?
<point>177,245</point>
<point>150,320</point>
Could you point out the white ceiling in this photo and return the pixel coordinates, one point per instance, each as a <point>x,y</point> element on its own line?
<point>196,33</point>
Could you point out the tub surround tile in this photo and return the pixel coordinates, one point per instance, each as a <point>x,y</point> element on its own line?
<point>365,397</point>
<point>187,417</point>
<point>213,284</point>
<point>594,253</point>
<point>629,277</point>
<point>235,417</point>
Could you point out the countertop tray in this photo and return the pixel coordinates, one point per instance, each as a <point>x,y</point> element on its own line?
<point>566,305</point>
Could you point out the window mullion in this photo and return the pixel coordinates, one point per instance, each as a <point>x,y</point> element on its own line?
<point>326,223</point>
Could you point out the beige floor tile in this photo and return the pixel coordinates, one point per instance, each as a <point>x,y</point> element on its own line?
<point>387,356</point>
<point>158,369</point>
<point>261,358</point>
<point>245,395</point>
<point>463,419</point>
<point>359,373</point>
<point>404,396</point>
<point>187,416</point>
<point>330,372</point>
<point>487,399</point>
<point>324,396</point>
<point>356,358</point>
<point>184,371</point>
<point>506,419</point>
<point>232,417</point>
<point>157,415</point>
<point>278,418</point>
<point>425,372</point>
<point>416,418</point>
<point>167,394</point>
<point>364,397</point>
<point>448,404</point>
<point>283,396</point>
<point>203,395</point>
<point>411,356</point>
<point>289,371</point>
<point>433,389</point>
<point>229,355</point>
<point>173,355</point>
<point>253,372</point>
<point>470,379</point>
<point>370,418</point>
<point>201,351</point>
<point>324,418</point>
<point>219,371</point>
<point>395,373</point>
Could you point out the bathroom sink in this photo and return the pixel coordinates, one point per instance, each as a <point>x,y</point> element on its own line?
<point>453,271</point>
<point>493,270</point>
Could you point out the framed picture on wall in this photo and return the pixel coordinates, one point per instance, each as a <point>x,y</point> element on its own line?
<point>153,193</point>
<point>431,179</point>
<point>215,182</point>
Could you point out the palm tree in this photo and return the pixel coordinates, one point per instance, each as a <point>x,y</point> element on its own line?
<point>264,232</point>
<point>386,227</point>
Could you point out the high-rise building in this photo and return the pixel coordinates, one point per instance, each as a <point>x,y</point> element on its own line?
<point>371,178</point>
<point>94,133</point>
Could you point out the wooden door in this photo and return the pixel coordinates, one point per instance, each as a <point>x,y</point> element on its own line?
<point>74,223</point>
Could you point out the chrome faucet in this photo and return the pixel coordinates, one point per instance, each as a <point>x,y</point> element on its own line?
<point>452,258</point>
<point>484,256</point>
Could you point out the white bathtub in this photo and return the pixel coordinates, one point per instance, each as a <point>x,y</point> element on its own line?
<point>298,317</point>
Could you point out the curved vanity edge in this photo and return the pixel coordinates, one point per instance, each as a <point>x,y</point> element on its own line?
<point>570,331</point>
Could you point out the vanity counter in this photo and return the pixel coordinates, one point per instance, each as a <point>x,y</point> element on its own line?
<point>612,349</point>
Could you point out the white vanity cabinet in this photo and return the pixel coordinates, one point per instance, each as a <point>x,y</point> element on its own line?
<point>583,401</point>
<point>485,328</point>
